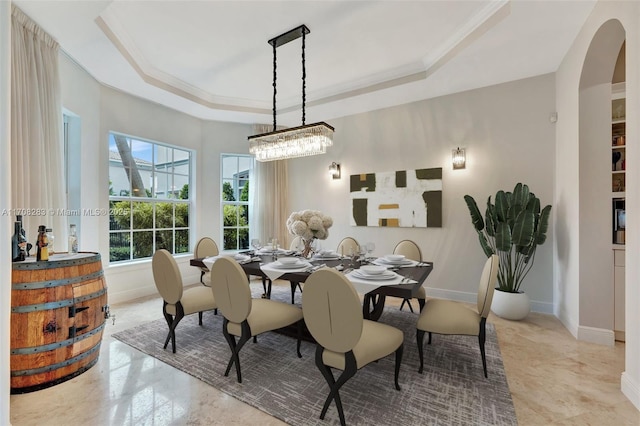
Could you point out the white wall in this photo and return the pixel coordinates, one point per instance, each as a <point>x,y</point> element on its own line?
<point>508,137</point>
<point>568,285</point>
<point>5,203</point>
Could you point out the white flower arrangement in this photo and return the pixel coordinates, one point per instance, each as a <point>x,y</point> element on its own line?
<point>309,224</point>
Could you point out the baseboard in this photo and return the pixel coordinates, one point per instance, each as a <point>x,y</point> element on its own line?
<point>600,336</point>
<point>463,296</point>
<point>630,389</point>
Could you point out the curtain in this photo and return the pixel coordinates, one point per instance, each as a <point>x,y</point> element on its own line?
<point>270,195</point>
<point>37,151</point>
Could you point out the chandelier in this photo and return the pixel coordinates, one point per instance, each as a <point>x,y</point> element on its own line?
<point>301,141</point>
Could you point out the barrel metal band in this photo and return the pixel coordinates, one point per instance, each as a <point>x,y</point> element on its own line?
<point>56,305</point>
<point>51,264</point>
<point>57,345</point>
<point>56,283</point>
<point>52,367</point>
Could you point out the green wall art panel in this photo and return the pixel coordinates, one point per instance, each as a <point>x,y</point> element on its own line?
<point>406,198</point>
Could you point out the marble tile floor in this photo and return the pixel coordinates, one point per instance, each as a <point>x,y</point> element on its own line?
<point>554,380</point>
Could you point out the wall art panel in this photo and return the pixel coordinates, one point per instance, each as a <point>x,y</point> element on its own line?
<point>406,198</point>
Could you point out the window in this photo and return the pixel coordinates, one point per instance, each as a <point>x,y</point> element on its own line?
<point>236,170</point>
<point>149,199</point>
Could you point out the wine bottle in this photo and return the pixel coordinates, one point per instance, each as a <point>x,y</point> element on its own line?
<point>15,248</point>
<point>42,252</point>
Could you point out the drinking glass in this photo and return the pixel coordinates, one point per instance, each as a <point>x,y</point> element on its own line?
<point>370,248</point>
<point>255,243</point>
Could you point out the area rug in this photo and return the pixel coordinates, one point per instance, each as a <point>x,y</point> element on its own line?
<point>451,391</point>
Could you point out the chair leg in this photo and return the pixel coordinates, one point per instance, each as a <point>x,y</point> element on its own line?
<point>408,302</point>
<point>172,328</point>
<point>200,318</point>
<point>235,347</point>
<point>201,276</point>
<point>422,302</point>
<point>420,339</point>
<point>334,386</point>
<point>398,362</point>
<point>264,285</point>
<point>481,340</point>
<point>293,290</point>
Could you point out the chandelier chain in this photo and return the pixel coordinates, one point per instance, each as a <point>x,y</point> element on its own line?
<point>304,77</point>
<point>274,87</point>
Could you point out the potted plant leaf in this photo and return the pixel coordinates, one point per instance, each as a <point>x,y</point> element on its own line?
<point>513,227</point>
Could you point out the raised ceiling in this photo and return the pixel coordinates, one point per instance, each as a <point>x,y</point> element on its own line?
<point>211,59</point>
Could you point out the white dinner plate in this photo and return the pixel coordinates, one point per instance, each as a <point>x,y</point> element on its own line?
<point>386,275</point>
<point>327,257</point>
<point>298,264</point>
<point>403,262</point>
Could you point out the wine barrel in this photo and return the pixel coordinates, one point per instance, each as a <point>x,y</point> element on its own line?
<point>57,318</point>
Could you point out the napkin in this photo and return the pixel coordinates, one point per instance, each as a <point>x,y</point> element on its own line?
<point>363,285</point>
<point>274,273</point>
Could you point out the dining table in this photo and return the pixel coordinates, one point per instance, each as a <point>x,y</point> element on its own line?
<point>410,277</point>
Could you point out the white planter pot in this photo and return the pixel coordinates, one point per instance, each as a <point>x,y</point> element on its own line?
<point>512,306</point>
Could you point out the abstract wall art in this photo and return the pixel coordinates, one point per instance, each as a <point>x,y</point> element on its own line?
<point>406,198</point>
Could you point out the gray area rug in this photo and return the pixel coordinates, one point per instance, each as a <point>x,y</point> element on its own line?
<point>451,391</point>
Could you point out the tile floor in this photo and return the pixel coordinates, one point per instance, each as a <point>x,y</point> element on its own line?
<point>554,380</point>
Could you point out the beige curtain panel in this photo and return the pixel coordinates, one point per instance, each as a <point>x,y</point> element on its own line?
<point>270,186</point>
<point>37,149</point>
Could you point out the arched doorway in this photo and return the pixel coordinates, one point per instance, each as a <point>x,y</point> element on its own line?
<point>596,293</point>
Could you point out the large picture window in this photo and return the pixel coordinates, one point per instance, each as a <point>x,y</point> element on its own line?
<point>236,170</point>
<point>149,202</point>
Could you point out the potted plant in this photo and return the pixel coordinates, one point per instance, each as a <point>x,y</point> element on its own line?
<point>513,227</point>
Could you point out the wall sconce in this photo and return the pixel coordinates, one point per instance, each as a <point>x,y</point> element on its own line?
<point>334,170</point>
<point>458,158</point>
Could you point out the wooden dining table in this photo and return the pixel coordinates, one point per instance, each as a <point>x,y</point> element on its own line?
<point>374,300</point>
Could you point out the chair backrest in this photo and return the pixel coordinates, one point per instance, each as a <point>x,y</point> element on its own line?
<point>167,277</point>
<point>231,289</point>
<point>297,244</point>
<point>332,310</point>
<point>487,285</point>
<point>409,249</point>
<point>348,245</point>
<point>205,247</point>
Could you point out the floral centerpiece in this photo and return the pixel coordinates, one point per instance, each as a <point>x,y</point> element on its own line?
<point>309,225</point>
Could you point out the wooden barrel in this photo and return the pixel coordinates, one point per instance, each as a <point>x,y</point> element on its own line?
<point>57,318</point>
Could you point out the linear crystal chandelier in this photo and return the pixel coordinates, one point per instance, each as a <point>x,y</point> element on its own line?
<point>301,141</point>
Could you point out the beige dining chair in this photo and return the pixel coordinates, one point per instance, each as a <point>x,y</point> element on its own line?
<point>177,302</point>
<point>411,251</point>
<point>449,317</point>
<point>245,317</point>
<point>348,246</point>
<point>345,341</point>
<point>205,247</point>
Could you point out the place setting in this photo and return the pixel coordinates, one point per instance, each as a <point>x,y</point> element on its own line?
<point>377,276</point>
<point>395,261</point>
<point>283,265</point>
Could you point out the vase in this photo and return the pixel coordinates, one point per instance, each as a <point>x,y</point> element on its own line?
<point>511,306</point>
<point>307,251</point>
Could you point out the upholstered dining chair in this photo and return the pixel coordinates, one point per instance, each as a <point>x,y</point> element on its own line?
<point>449,317</point>
<point>205,247</point>
<point>411,251</point>
<point>245,317</point>
<point>345,341</point>
<point>347,246</point>
<point>177,302</point>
